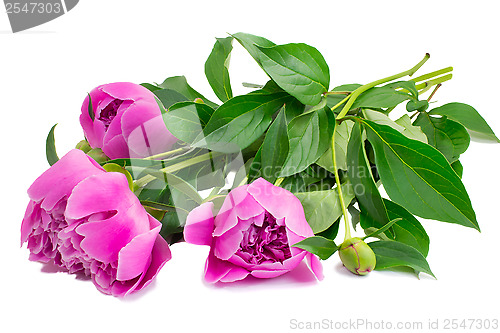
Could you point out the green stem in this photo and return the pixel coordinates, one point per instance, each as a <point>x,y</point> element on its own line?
<point>165,154</point>
<point>355,94</point>
<point>279,181</point>
<point>434,92</point>
<point>336,93</point>
<point>340,103</point>
<point>432,74</point>
<point>424,86</point>
<point>339,188</point>
<point>176,167</point>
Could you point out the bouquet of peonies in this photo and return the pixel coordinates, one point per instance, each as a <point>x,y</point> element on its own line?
<point>264,179</point>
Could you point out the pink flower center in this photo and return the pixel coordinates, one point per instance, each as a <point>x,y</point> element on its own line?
<point>107,114</point>
<point>266,243</point>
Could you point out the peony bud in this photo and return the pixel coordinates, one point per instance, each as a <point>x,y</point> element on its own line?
<point>357,256</point>
<point>199,100</point>
<point>83,146</point>
<point>98,155</point>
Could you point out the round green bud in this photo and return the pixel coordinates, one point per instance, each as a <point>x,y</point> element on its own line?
<point>199,100</point>
<point>98,155</point>
<point>83,146</point>
<point>357,256</point>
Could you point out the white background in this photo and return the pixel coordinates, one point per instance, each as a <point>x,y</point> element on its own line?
<point>46,72</point>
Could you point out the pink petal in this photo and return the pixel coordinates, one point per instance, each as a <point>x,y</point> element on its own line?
<point>159,256</point>
<point>125,219</point>
<point>134,258</point>
<point>315,265</point>
<point>287,265</point>
<point>200,225</point>
<point>28,220</point>
<point>237,205</point>
<point>116,148</point>
<point>228,243</point>
<point>145,131</point>
<point>94,131</point>
<point>281,204</point>
<point>66,173</point>
<point>128,91</point>
<point>268,274</point>
<point>216,269</point>
<point>106,192</point>
<point>235,274</point>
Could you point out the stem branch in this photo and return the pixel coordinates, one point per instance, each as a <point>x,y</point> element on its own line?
<point>339,188</point>
<point>355,94</point>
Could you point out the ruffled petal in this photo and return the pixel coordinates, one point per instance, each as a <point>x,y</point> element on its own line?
<point>200,225</point>
<point>66,173</point>
<point>281,204</point>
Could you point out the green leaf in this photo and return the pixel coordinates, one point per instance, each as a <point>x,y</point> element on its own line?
<point>169,97</point>
<point>342,135</point>
<point>150,87</point>
<point>186,120</point>
<point>332,231</point>
<point>447,136</point>
<point>385,228</point>
<point>468,117</point>
<point>309,137</point>
<point>320,246</point>
<point>419,178</point>
<point>293,109</point>
<point>216,68</point>
<point>415,105</point>
<point>179,84</point>
<point>360,176</point>
<point>410,130</point>
<point>240,121</point>
<point>402,125</point>
<point>408,230</point>
<point>409,86</point>
<point>299,69</point>
<point>50,147</point>
<point>90,108</point>
<point>458,168</point>
<point>251,43</point>
<point>380,97</point>
<point>176,183</point>
<point>391,254</point>
<point>274,148</point>
<point>322,208</point>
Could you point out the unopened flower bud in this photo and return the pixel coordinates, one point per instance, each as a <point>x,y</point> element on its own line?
<point>98,155</point>
<point>199,100</point>
<point>357,256</point>
<point>83,146</point>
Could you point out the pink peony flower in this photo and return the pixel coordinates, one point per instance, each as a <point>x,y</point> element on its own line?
<point>87,220</point>
<point>252,234</point>
<point>127,121</point>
